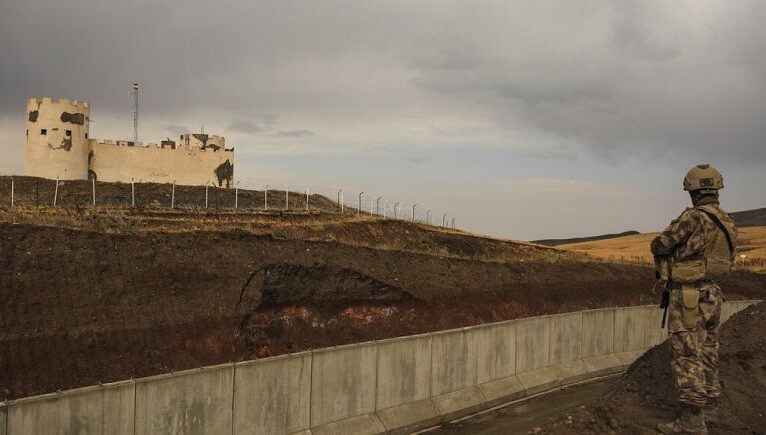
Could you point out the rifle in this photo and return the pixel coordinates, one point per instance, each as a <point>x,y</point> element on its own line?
<point>663,271</point>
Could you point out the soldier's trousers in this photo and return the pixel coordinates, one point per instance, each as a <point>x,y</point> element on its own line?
<point>694,349</point>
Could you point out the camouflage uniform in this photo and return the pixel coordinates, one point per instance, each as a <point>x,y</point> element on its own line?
<point>694,350</point>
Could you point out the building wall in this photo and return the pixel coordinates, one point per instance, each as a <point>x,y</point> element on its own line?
<point>192,166</point>
<point>58,146</point>
<point>50,152</point>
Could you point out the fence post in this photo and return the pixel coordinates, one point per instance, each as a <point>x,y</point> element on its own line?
<point>307,199</point>
<point>206,186</point>
<point>396,214</point>
<point>444,220</point>
<point>413,211</point>
<point>287,197</point>
<point>377,205</point>
<point>236,195</point>
<point>93,189</point>
<point>428,216</point>
<point>133,192</point>
<point>56,192</point>
<point>173,196</point>
<point>12,188</point>
<point>359,210</point>
<point>265,198</point>
<point>453,223</point>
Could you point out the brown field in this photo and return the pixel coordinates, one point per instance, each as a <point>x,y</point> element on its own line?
<point>751,242</point>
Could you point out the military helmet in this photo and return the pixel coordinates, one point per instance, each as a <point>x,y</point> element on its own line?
<point>703,177</point>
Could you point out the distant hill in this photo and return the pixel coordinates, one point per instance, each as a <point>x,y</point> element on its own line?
<point>750,218</point>
<point>556,242</point>
<point>747,218</point>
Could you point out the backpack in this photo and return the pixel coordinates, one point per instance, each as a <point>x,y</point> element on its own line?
<point>719,252</point>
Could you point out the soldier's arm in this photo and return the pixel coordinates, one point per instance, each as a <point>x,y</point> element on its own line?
<point>676,233</point>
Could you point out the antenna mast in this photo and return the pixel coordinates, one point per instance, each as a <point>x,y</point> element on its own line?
<point>134,94</point>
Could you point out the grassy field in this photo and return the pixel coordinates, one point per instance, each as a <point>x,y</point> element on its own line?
<point>751,243</point>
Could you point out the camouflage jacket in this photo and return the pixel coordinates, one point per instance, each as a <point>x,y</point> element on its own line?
<point>687,236</point>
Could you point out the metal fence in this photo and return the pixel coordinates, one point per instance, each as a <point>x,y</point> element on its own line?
<point>40,192</point>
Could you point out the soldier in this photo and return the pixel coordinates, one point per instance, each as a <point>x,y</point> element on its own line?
<point>699,248</point>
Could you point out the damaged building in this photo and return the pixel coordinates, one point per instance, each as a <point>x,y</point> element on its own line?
<point>58,146</point>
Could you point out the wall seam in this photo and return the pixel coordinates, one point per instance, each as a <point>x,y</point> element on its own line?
<point>135,406</point>
<point>311,388</point>
<point>375,390</point>
<point>233,393</point>
<point>614,329</point>
<point>431,370</point>
<point>582,336</point>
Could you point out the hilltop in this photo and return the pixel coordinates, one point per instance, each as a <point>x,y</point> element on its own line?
<point>751,243</point>
<point>750,218</point>
<point>747,218</point>
<point>557,242</point>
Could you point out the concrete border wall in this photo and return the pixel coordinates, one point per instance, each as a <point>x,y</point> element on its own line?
<point>396,386</point>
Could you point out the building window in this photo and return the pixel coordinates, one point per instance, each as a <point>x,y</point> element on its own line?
<point>86,135</point>
<point>27,133</point>
<point>43,132</point>
<point>69,132</point>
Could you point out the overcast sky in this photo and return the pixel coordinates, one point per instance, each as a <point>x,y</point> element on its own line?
<point>522,119</point>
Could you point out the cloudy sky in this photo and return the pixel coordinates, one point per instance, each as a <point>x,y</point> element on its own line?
<point>522,119</point>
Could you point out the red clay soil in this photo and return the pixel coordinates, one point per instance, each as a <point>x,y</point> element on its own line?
<point>80,307</point>
<point>646,395</point>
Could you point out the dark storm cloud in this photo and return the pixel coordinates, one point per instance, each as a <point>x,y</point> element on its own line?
<point>615,78</point>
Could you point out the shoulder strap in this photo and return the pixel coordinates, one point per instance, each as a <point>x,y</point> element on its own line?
<point>720,226</point>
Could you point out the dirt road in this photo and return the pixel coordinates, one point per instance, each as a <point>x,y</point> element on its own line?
<point>526,416</point>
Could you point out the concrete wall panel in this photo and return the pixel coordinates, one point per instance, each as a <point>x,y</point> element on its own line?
<point>453,363</point>
<point>193,402</point>
<point>273,395</point>
<point>653,334</point>
<point>725,311</point>
<point>532,343</point>
<point>495,350</point>
<point>404,371</point>
<point>343,383</point>
<point>3,419</point>
<point>598,332</point>
<point>737,306</point>
<point>629,329</point>
<point>90,410</point>
<point>566,338</point>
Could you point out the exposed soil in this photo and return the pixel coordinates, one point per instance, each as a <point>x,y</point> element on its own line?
<point>646,395</point>
<point>80,307</point>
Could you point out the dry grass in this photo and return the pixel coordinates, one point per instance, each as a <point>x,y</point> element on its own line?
<point>348,229</point>
<point>751,242</point>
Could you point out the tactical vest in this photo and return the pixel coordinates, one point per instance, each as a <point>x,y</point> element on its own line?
<point>718,258</point>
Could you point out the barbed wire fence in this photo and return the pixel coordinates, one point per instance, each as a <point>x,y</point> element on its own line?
<point>22,191</point>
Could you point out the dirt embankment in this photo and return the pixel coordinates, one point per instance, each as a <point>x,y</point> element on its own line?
<point>35,191</point>
<point>79,307</point>
<point>646,395</point>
